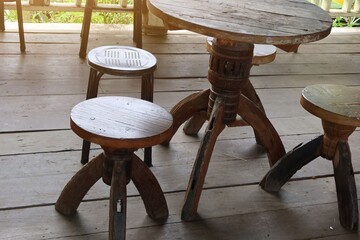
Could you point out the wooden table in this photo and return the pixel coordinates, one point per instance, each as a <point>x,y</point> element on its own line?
<point>236,26</point>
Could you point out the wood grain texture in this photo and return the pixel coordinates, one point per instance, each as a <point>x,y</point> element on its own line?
<point>333,103</point>
<point>272,22</point>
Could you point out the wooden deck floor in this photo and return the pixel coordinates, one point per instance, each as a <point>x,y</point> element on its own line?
<point>39,153</point>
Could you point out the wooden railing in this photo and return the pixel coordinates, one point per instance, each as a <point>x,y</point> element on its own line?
<point>339,8</point>
<point>336,8</point>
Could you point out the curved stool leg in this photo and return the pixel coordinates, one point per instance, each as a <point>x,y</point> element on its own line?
<point>289,164</point>
<point>149,189</point>
<point>197,178</point>
<point>345,187</point>
<point>79,185</point>
<point>269,137</point>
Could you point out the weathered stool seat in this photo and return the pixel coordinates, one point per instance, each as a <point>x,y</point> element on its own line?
<point>120,61</point>
<point>120,125</point>
<point>339,109</point>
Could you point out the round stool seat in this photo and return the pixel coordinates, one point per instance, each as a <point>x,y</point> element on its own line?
<point>334,103</point>
<point>119,60</point>
<point>263,53</point>
<point>121,122</point>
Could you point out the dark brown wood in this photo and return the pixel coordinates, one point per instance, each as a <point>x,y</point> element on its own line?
<point>75,190</point>
<point>290,163</point>
<point>202,161</point>
<point>346,187</point>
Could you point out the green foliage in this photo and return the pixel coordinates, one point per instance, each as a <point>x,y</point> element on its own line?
<point>346,22</point>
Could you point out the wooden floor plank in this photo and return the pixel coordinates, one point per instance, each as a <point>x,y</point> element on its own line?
<point>39,153</point>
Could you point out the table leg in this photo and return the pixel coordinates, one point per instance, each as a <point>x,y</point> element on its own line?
<point>197,178</point>
<point>188,107</point>
<point>263,128</point>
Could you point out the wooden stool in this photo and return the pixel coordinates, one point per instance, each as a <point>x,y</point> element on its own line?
<point>120,125</point>
<point>263,54</point>
<point>339,109</point>
<point>120,61</point>
<point>20,21</point>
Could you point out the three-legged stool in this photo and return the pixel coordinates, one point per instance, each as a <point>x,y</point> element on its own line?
<point>120,125</point>
<point>120,61</point>
<point>339,109</point>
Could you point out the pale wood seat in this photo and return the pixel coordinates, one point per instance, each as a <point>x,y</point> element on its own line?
<point>20,21</point>
<point>120,61</point>
<point>339,109</point>
<point>91,5</point>
<point>120,125</point>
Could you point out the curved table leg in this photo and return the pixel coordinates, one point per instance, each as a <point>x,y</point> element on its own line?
<point>188,107</point>
<point>194,124</point>
<point>197,178</point>
<point>249,91</point>
<point>149,189</point>
<point>289,164</point>
<point>345,187</point>
<point>269,137</point>
<point>79,185</point>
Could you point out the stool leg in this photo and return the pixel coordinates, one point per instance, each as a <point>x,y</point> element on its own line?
<point>147,93</point>
<point>149,189</point>
<point>21,25</point>
<point>290,163</point>
<point>75,190</point>
<point>92,91</point>
<point>345,187</point>
<point>117,208</point>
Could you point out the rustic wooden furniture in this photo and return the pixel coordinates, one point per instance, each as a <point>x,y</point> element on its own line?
<point>92,5</point>
<point>20,21</point>
<point>338,107</point>
<point>120,125</point>
<point>236,26</point>
<point>120,61</point>
<point>263,54</point>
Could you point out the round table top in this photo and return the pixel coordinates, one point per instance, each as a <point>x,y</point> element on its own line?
<point>333,103</point>
<point>278,22</point>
